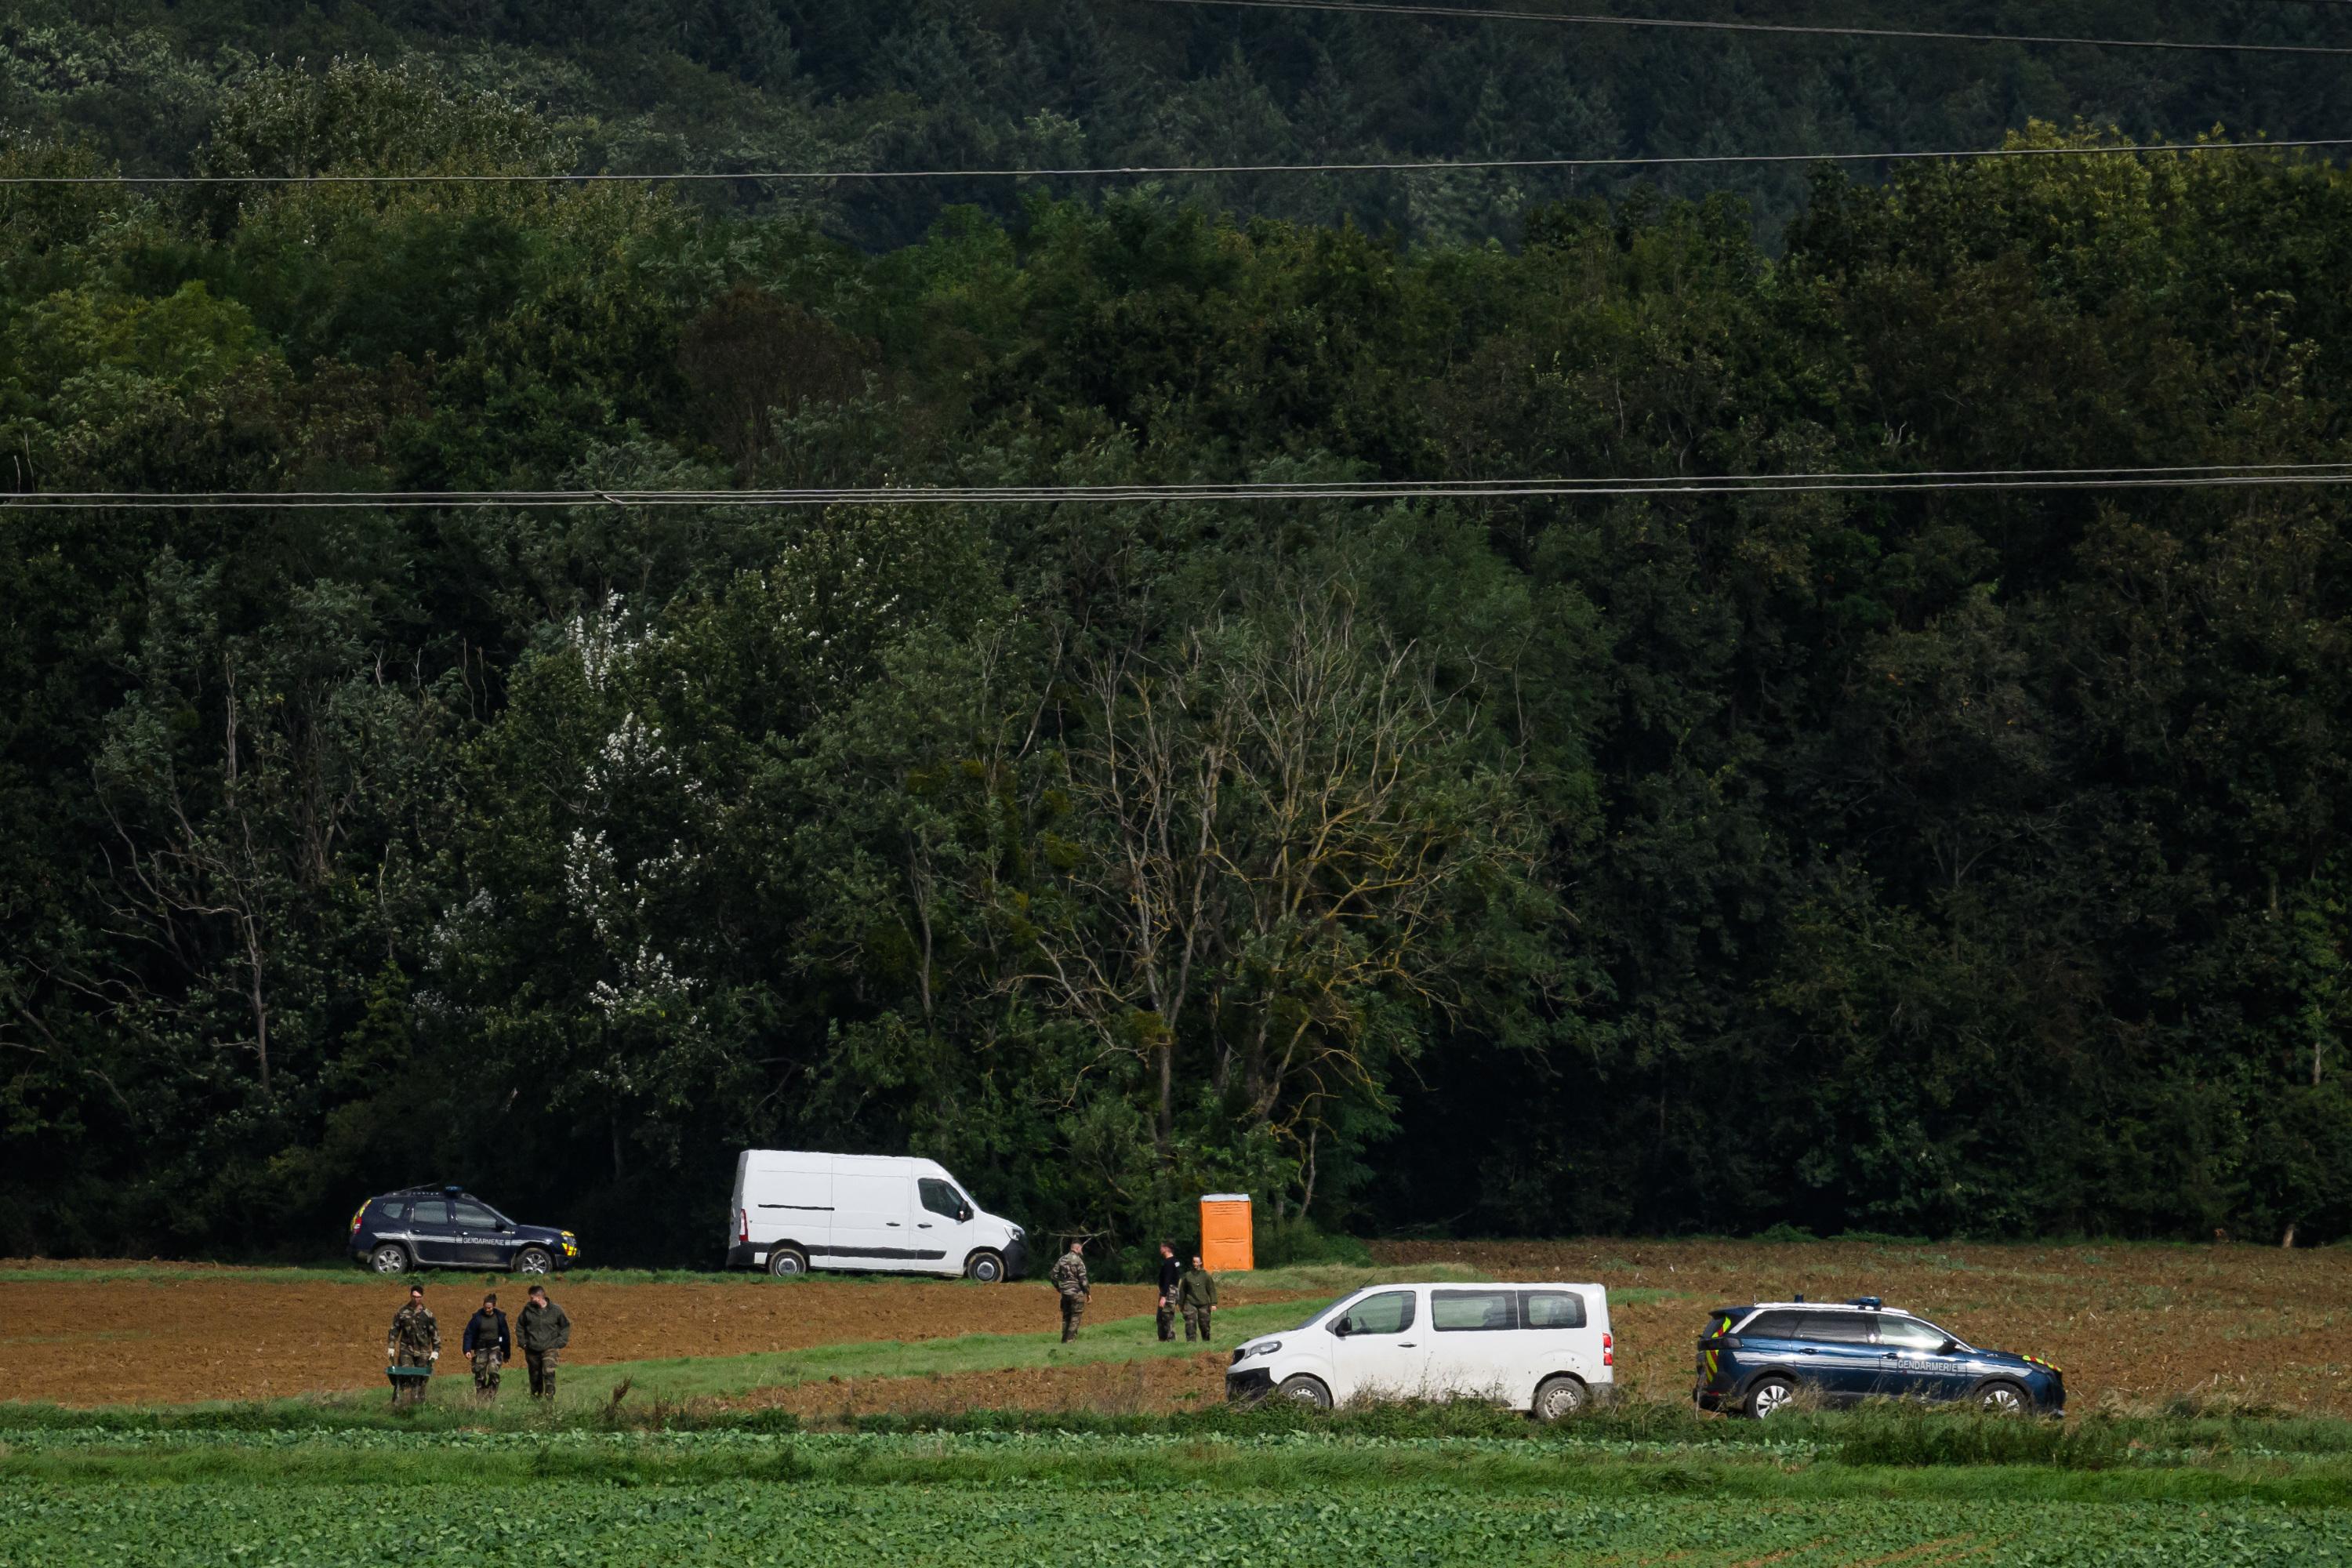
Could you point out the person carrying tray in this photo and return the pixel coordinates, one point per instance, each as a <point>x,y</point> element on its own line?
<point>414,1341</point>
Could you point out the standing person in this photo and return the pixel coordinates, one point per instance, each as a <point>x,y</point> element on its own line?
<point>545,1331</point>
<point>1171,1271</point>
<point>415,1341</point>
<point>1069,1276</point>
<point>488,1342</point>
<point>1196,1293</point>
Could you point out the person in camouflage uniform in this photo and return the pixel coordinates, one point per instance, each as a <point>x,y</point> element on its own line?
<point>415,1341</point>
<point>490,1345</point>
<point>1069,1278</point>
<point>546,1330</point>
<point>1196,1295</point>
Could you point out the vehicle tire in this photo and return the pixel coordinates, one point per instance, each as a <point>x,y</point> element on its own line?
<point>1768,1394</point>
<point>788,1263</point>
<point>533,1260</point>
<point>390,1258</point>
<point>985,1267</point>
<point>1558,1398</point>
<point>2001,1398</point>
<point>1305,1390</point>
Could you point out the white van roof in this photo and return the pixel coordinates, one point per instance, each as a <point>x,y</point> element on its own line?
<point>817,1160</point>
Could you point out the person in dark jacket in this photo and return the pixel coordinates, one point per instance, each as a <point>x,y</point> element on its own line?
<point>490,1344</point>
<point>1171,1271</point>
<point>545,1331</point>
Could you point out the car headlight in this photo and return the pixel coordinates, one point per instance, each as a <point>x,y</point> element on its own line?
<point>1264,1350</point>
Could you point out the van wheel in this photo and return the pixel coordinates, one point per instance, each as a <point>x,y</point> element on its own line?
<point>788,1263</point>
<point>2002,1399</point>
<point>533,1260</point>
<point>1771,1396</point>
<point>1557,1398</point>
<point>390,1259</point>
<point>1305,1390</point>
<point>984,1267</point>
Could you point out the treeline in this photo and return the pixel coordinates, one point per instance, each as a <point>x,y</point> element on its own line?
<point>733,85</point>
<point>1960,861</point>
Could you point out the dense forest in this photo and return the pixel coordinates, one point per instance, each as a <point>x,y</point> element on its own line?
<point>1955,861</point>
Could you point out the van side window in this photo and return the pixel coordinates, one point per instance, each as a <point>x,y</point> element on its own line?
<point>432,1211</point>
<point>1552,1309</point>
<point>1388,1313</point>
<point>939,1197</point>
<point>1467,1310</point>
<point>1910,1334</point>
<point>1770,1326</point>
<point>1838,1328</point>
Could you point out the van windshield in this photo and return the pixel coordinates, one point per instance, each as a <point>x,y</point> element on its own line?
<point>1317,1316</point>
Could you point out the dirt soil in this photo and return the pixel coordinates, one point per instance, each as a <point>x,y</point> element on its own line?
<point>1111,1388</point>
<point>223,1337</point>
<point>2133,1325</point>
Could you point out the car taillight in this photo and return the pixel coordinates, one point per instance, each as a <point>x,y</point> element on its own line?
<point>358,1214</point>
<point>744,1217</point>
<point>1608,1350</point>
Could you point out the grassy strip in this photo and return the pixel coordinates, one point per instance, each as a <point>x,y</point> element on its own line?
<point>1319,1468</point>
<point>1118,1339</point>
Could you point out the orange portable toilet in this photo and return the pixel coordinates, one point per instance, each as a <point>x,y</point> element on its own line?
<point>1225,1246</point>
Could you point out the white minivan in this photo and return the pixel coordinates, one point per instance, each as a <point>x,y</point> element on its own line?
<point>1544,1349</point>
<point>796,1211</point>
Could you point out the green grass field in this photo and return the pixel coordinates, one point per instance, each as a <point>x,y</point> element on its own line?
<point>1297,1492</point>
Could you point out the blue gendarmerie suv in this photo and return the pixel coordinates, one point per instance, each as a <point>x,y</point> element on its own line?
<point>1754,1360</point>
<point>449,1227</point>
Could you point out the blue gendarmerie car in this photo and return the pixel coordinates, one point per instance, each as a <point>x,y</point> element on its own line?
<point>448,1227</point>
<point>1754,1360</point>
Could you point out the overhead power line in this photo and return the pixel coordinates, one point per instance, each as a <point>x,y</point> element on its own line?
<point>1148,171</point>
<point>2175,478</point>
<point>1598,19</point>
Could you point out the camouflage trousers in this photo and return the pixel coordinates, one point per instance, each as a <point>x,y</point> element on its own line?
<point>541,1365</point>
<point>1196,1323</point>
<point>411,1389</point>
<point>485,1374</point>
<point>1074,1313</point>
<point>1167,1319</point>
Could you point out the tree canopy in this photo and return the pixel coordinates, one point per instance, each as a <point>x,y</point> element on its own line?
<point>1950,861</point>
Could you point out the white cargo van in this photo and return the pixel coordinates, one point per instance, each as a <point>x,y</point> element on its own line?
<point>872,1213</point>
<point>1544,1349</point>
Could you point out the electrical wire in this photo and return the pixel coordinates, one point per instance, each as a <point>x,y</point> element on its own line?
<point>1148,171</point>
<point>2326,474</point>
<point>1593,19</point>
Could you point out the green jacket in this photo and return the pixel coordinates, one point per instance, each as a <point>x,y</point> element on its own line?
<point>1197,1288</point>
<point>543,1328</point>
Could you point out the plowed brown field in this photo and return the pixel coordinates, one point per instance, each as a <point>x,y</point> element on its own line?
<point>223,1337</point>
<point>2127,1322</point>
<point>2135,1323</point>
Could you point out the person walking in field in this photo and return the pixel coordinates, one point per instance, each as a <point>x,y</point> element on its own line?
<point>490,1344</point>
<point>1196,1296</point>
<point>1069,1278</point>
<point>545,1331</point>
<point>1171,1270</point>
<point>415,1341</point>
